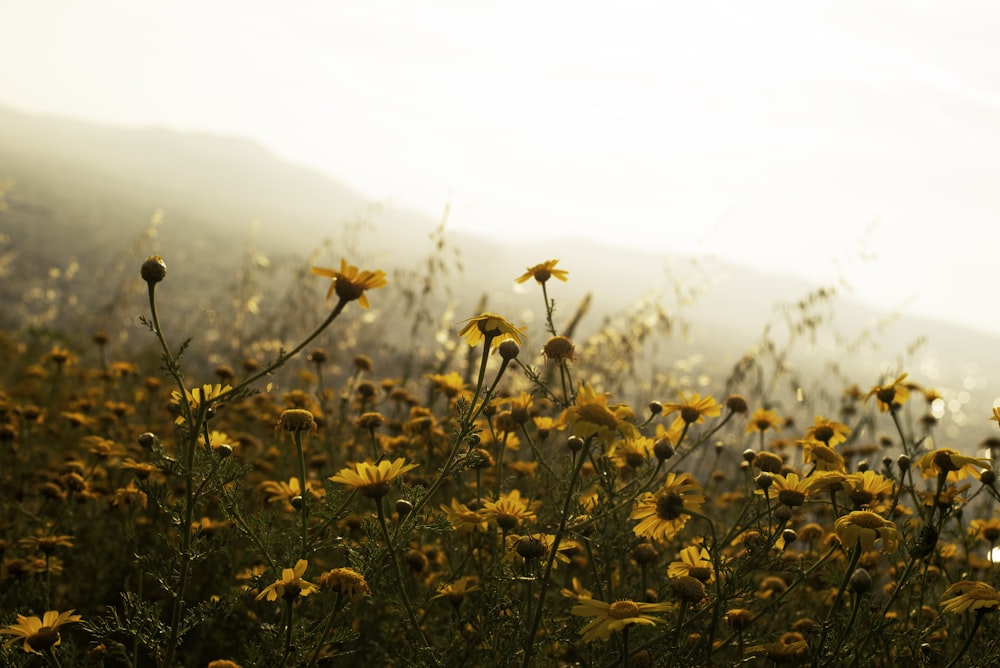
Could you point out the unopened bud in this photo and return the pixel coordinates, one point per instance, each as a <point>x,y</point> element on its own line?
<point>153,270</point>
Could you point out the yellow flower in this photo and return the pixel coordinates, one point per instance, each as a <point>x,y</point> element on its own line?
<point>39,634</point>
<point>865,527</point>
<point>287,492</point>
<point>695,562</point>
<point>631,452</point>
<point>463,519</point>
<point>543,272</point>
<point>196,398</point>
<point>372,479</point>
<point>456,591</point>
<point>590,415</point>
<point>537,547</point>
<point>349,283</point>
<point>46,544</point>
<point>891,394</point>
<point>970,595</point>
<point>953,462</point>
<point>791,490</point>
<point>450,385</point>
<point>996,414</point>
<point>694,408</point>
<point>762,420</point>
<point>828,432</point>
<point>823,457</point>
<point>988,530</point>
<point>290,584</point>
<point>345,581</point>
<point>868,489</point>
<point>611,617</point>
<point>662,515</point>
<point>510,510</point>
<point>490,326</point>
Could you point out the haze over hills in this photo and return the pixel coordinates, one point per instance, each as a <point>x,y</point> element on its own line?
<point>86,192</point>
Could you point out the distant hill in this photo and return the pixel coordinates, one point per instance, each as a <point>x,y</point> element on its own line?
<point>85,192</point>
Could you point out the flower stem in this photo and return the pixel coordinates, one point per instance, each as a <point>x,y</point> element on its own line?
<point>855,556</point>
<point>968,640</point>
<point>529,641</point>
<point>402,581</point>
<point>337,607</point>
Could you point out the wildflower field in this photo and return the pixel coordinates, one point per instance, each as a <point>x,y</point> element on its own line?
<point>500,496</point>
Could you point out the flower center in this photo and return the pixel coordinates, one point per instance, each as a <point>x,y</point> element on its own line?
<point>669,506</point>
<point>886,394</point>
<point>690,414</point>
<point>944,462</point>
<point>623,610</point>
<point>824,434</point>
<point>43,639</point>
<point>791,497</point>
<point>867,519</point>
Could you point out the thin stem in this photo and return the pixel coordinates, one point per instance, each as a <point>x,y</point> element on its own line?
<point>402,581</point>
<point>337,607</point>
<point>304,510</point>
<point>968,640</point>
<point>855,556</point>
<point>529,641</point>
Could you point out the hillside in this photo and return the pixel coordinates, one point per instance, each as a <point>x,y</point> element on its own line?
<point>83,195</point>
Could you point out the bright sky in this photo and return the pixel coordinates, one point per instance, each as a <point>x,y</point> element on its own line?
<point>819,139</point>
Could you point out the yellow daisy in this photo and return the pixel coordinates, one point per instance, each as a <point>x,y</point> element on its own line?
<point>510,510</point>
<point>590,415</point>
<point>39,634</point>
<point>891,394</point>
<point>970,595</point>
<point>694,561</point>
<point>349,283</point>
<point>490,326</point>
<point>372,480</point>
<point>611,617</point>
<point>953,462</point>
<point>290,584</point>
<point>662,515</point>
<point>762,419</point>
<point>865,527</point>
<point>196,398</point>
<point>694,408</point>
<point>345,581</point>
<point>828,432</point>
<point>543,272</point>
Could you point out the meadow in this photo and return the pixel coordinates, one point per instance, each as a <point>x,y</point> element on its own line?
<point>344,485</point>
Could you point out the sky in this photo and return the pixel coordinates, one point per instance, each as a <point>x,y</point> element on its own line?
<point>855,141</point>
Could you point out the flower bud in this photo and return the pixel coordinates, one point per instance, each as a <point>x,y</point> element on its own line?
<point>764,481</point>
<point>509,350</point>
<point>861,581</point>
<point>663,449</point>
<point>403,508</point>
<point>153,270</point>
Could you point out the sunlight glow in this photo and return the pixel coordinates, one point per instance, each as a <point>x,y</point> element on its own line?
<point>828,143</point>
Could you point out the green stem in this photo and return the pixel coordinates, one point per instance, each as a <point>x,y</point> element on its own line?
<point>289,355</point>
<point>402,580</point>
<point>289,602</point>
<point>337,607</point>
<point>968,640</point>
<point>304,510</point>
<point>529,641</point>
<point>855,556</point>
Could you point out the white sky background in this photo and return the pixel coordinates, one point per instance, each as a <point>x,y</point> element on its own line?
<point>820,139</point>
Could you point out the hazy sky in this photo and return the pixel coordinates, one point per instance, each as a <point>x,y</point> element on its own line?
<point>817,138</point>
